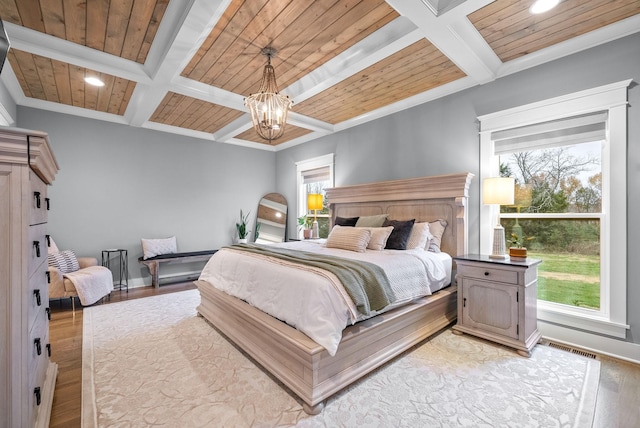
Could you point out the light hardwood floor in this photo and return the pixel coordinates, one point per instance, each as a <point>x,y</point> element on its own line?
<point>618,402</point>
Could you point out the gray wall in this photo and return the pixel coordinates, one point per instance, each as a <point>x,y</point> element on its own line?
<point>442,137</point>
<point>118,184</point>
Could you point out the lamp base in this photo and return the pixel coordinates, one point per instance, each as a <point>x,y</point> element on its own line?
<point>314,230</point>
<point>499,247</point>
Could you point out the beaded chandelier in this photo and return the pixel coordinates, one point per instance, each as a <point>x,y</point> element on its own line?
<point>267,107</point>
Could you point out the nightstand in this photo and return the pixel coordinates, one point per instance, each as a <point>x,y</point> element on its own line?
<point>497,300</point>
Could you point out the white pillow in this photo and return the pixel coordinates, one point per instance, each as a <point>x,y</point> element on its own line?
<point>349,238</point>
<point>53,248</point>
<point>420,236</point>
<point>379,236</point>
<point>437,230</point>
<point>155,247</point>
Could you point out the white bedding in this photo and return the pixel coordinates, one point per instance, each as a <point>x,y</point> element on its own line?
<point>313,300</point>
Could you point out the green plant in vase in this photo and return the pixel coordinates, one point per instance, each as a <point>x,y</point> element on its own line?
<point>241,227</point>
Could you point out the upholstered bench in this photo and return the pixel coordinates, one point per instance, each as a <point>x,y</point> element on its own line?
<point>153,263</point>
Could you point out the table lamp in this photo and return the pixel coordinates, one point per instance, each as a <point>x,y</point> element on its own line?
<point>314,202</point>
<point>498,191</point>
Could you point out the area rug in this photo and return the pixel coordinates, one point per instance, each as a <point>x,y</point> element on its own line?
<point>154,362</point>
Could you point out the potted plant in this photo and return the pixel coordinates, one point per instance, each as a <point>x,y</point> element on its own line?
<point>242,229</point>
<point>518,248</point>
<point>305,222</point>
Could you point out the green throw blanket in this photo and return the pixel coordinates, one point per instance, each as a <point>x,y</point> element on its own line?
<point>366,283</point>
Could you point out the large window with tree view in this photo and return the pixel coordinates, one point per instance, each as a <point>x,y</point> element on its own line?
<point>557,215</point>
<point>568,157</point>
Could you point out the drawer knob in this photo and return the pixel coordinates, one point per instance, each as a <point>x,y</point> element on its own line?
<point>36,342</point>
<point>486,274</point>
<point>49,350</point>
<point>36,196</point>
<point>48,201</point>
<point>48,240</point>
<point>36,294</point>
<point>48,277</point>
<point>36,392</point>
<point>48,311</point>
<point>36,244</point>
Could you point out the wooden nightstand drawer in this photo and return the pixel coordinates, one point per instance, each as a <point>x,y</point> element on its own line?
<point>489,273</point>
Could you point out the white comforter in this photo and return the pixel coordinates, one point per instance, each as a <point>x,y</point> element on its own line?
<point>313,300</point>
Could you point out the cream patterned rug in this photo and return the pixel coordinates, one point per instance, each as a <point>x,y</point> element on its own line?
<point>153,362</point>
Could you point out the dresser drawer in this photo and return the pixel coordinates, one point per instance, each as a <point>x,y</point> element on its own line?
<point>40,203</point>
<point>37,381</point>
<point>37,247</point>
<point>489,273</point>
<point>38,334</point>
<point>38,297</point>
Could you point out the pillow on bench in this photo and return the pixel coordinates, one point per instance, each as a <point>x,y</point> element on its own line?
<point>155,247</point>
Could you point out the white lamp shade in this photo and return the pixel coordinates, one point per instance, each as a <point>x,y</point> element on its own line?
<point>498,190</point>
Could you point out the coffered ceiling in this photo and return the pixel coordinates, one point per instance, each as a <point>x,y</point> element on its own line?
<point>185,66</point>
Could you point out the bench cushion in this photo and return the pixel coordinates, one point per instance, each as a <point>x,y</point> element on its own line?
<point>178,255</point>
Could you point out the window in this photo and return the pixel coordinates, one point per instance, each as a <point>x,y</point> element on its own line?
<point>314,176</point>
<point>570,199</point>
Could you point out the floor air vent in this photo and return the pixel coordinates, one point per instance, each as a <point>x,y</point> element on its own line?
<point>572,350</point>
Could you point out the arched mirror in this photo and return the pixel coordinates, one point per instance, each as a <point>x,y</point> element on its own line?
<point>272,219</point>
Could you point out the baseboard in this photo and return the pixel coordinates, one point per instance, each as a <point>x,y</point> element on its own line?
<point>603,345</point>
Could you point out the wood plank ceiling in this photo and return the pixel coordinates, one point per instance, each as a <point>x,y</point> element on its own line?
<point>185,67</point>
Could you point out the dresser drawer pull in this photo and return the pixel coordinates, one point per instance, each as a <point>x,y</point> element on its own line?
<point>36,342</point>
<point>36,392</point>
<point>464,302</point>
<point>48,201</point>
<point>48,240</point>
<point>36,244</point>
<point>36,195</point>
<point>49,350</point>
<point>48,277</point>
<point>36,294</point>
<point>48,311</point>
<point>486,274</point>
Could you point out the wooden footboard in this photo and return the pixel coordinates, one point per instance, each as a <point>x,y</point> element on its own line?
<point>306,367</point>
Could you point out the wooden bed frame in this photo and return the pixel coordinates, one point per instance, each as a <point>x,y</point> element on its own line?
<point>306,367</point>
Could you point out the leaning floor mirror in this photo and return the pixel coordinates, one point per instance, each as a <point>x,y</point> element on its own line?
<point>271,220</point>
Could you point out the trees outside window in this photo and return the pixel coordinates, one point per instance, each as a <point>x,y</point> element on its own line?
<point>558,207</point>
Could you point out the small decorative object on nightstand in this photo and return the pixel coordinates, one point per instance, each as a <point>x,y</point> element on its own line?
<point>497,300</point>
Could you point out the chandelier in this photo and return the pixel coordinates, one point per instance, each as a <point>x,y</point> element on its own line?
<point>267,107</point>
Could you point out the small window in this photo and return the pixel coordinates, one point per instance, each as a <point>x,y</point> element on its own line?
<point>314,177</point>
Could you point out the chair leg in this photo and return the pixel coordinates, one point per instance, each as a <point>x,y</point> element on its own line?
<point>73,304</point>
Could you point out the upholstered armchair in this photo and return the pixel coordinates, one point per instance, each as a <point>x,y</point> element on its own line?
<point>71,276</point>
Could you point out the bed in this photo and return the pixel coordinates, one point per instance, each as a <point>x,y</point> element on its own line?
<point>306,367</point>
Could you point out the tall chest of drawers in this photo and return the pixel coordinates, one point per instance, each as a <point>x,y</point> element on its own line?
<point>27,375</point>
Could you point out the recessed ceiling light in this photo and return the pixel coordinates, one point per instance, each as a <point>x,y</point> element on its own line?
<point>542,6</point>
<point>94,81</point>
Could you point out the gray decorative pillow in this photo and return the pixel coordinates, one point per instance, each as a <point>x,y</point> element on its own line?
<point>371,220</point>
<point>400,234</point>
<point>65,261</point>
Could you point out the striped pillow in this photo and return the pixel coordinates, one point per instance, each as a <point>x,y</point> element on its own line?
<point>349,238</point>
<point>65,261</point>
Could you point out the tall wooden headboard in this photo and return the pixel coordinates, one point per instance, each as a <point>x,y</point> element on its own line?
<point>423,199</point>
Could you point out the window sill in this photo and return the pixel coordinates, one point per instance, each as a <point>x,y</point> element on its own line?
<point>553,314</point>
